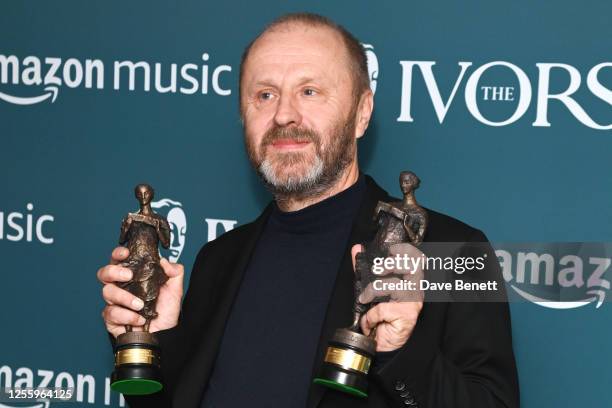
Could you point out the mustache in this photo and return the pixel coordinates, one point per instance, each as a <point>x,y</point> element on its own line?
<point>294,133</point>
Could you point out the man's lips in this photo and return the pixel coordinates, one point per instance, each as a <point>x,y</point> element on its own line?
<point>289,143</point>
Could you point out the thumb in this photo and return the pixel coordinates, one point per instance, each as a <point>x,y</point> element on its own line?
<point>371,319</point>
<point>173,270</point>
<point>357,248</point>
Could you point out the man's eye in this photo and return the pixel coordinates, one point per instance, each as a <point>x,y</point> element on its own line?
<point>265,96</point>
<point>309,92</point>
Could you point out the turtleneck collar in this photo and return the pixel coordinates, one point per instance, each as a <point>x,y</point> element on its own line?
<point>319,216</point>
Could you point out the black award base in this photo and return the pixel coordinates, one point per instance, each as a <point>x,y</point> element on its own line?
<point>347,362</point>
<point>137,364</point>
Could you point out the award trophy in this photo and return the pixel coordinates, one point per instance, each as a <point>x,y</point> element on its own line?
<point>349,353</point>
<point>137,354</point>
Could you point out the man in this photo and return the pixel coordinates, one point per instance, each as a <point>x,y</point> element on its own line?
<point>264,299</point>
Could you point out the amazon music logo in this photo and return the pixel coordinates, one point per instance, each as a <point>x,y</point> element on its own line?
<point>85,389</point>
<point>47,75</point>
<point>26,226</point>
<point>499,93</point>
<point>557,275</point>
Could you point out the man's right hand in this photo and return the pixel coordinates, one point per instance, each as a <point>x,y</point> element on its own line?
<point>122,306</point>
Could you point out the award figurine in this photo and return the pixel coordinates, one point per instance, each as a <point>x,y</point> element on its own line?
<point>137,354</point>
<point>349,353</point>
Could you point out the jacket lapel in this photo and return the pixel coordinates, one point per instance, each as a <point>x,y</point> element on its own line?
<point>198,369</point>
<point>339,308</point>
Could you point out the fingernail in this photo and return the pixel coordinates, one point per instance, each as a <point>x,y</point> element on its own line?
<point>126,274</point>
<point>360,299</point>
<point>137,304</point>
<point>141,321</point>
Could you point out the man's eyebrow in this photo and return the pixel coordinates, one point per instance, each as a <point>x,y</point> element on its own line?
<point>265,82</point>
<point>271,83</point>
<point>305,79</point>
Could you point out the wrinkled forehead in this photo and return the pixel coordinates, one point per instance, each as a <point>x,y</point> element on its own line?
<point>318,47</point>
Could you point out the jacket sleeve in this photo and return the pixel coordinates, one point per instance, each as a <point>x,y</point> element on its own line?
<point>471,365</point>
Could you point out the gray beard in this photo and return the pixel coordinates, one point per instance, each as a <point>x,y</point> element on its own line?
<point>292,184</point>
<point>326,169</point>
<point>319,178</point>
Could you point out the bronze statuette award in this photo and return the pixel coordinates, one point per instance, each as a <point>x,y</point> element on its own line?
<point>350,353</point>
<point>137,354</point>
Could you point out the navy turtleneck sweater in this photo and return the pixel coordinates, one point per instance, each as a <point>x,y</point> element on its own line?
<point>270,340</point>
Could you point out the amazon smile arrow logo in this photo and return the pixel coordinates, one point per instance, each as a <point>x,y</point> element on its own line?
<point>599,297</point>
<point>50,93</point>
<point>557,275</point>
<point>42,404</point>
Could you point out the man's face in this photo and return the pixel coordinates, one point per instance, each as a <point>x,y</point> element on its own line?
<point>298,108</point>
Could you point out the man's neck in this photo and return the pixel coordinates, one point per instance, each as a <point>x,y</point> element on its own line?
<point>293,203</point>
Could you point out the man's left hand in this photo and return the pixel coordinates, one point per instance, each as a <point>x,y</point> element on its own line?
<point>394,320</point>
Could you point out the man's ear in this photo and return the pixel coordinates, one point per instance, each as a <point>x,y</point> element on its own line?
<point>364,112</point>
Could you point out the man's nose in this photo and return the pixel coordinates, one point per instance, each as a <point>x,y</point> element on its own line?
<point>287,113</point>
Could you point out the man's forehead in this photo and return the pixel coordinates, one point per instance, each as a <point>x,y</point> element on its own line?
<point>297,41</point>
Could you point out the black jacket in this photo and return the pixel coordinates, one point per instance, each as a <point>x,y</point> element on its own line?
<point>458,356</point>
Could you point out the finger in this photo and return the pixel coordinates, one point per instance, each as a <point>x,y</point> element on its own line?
<point>114,295</point>
<point>389,287</point>
<point>357,248</point>
<point>365,327</point>
<point>412,262</point>
<point>173,270</point>
<point>411,269</point>
<point>371,319</point>
<point>176,274</point>
<point>121,316</point>
<point>118,255</point>
<point>113,273</point>
<point>405,248</point>
<point>387,312</point>
<point>390,265</point>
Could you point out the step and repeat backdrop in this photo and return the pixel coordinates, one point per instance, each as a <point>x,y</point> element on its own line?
<point>504,109</point>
